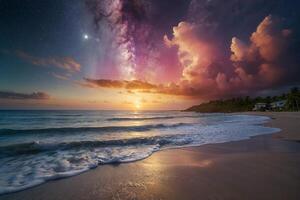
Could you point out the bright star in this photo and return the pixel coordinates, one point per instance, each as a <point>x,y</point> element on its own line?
<point>85,36</point>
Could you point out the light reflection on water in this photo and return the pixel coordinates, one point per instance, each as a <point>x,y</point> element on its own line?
<point>64,143</point>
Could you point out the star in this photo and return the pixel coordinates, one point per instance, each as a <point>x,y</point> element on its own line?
<point>86,36</point>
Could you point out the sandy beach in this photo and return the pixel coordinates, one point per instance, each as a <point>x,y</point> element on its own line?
<point>263,167</point>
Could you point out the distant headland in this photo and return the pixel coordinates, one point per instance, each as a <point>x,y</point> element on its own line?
<point>286,102</point>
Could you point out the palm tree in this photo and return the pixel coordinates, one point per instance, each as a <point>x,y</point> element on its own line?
<point>293,99</point>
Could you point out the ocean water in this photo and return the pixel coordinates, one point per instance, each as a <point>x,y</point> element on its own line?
<point>36,146</point>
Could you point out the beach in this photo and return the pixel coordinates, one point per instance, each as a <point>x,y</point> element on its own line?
<point>263,167</point>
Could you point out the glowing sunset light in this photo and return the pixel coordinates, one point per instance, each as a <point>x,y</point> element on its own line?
<point>97,88</point>
<point>137,105</point>
<point>193,54</point>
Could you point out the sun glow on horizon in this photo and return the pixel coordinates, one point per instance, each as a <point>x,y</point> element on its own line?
<point>137,105</point>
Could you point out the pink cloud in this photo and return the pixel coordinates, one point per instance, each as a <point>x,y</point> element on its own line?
<point>265,54</point>
<point>253,65</point>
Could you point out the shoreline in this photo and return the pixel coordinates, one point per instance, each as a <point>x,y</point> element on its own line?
<point>289,132</point>
<point>167,174</point>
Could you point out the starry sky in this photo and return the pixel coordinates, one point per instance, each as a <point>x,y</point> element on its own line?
<point>145,54</point>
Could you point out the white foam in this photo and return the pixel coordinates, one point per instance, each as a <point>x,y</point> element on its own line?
<point>24,171</point>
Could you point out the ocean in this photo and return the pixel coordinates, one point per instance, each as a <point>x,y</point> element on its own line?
<point>37,146</point>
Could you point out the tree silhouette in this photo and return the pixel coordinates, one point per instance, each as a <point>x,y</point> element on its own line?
<point>240,104</point>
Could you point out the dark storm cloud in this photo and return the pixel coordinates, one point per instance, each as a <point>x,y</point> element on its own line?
<point>24,96</point>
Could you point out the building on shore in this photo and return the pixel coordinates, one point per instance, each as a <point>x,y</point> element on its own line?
<point>260,107</point>
<point>278,105</point>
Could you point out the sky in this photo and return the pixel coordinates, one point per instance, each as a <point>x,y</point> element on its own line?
<point>145,54</point>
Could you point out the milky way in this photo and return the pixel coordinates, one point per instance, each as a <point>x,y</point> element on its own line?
<point>127,23</point>
<point>210,56</point>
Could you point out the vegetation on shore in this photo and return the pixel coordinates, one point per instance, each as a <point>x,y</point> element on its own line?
<point>243,104</point>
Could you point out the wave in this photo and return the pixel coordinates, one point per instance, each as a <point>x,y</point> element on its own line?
<point>91,129</point>
<point>68,115</point>
<point>47,168</point>
<point>38,147</point>
<point>137,118</point>
<point>149,118</point>
<point>32,163</point>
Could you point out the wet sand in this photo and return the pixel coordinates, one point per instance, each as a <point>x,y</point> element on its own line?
<point>263,167</point>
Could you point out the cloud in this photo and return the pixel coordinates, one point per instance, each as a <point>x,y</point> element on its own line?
<point>129,85</point>
<point>141,86</point>
<point>201,70</point>
<point>194,54</point>
<point>61,76</point>
<point>262,63</point>
<point>24,96</point>
<point>258,64</point>
<point>66,63</point>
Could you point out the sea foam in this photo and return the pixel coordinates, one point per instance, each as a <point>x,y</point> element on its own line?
<point>38,152</point>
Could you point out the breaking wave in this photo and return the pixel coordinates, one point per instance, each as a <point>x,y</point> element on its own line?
<point>30,156</point>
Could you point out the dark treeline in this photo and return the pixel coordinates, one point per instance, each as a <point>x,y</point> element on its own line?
<point>242,104</point>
